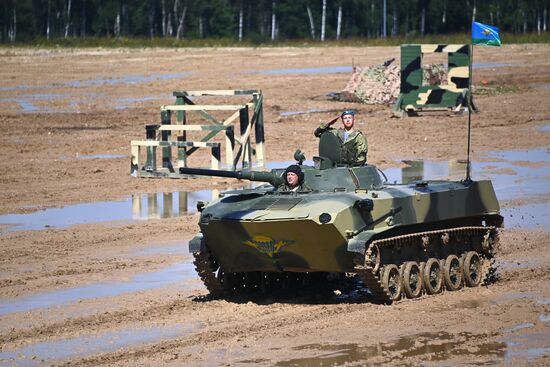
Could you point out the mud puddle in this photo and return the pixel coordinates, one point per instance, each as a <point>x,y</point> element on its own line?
<point>75,100</point>
<point>529,155</point>
<point>145,206</point>
<point>181,274</point>
<point>525,325</point>
<point>426,346</point>
<point>514,174</point>
<point>87,345</point>
<point>135,207</point>
<point>28,102</point>
<point>125,79</point>
<point>544,128</point>
<point>511,177</point>
<point>519,264</point>
<point>514,296</point>
<point>527,216</point>
<point>525,346</point>
<point>181,248</point>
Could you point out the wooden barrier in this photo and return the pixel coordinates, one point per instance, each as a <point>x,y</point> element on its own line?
<point>249,116</point>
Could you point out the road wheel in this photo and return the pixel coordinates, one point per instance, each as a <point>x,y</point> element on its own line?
<point>412,279</point>
<point>391,281</point>
<point>472,269</point>
<point>373,258</point>
<point>452,273</point>
<point>432,276</point>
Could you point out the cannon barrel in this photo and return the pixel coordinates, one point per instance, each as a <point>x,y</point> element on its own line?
<point>270,177</point>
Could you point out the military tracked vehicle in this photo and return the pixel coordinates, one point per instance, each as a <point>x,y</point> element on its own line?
<point>403,240</point>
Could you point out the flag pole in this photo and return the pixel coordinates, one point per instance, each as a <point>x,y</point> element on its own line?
<point>468,179</point>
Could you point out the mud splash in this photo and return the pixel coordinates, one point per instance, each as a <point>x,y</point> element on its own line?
<point>512,178</point>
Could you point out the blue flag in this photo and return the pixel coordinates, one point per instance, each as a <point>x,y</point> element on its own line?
<point>483,34</point>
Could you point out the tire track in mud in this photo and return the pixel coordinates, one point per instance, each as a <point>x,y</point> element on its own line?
<point>214,315</point>
<point>221,329</point>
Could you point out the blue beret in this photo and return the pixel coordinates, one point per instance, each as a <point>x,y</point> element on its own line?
<point>348,112</point>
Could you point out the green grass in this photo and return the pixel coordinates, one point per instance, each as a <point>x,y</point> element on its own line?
<point>112,42</point>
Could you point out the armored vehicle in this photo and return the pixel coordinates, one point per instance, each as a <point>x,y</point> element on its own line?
<point>403,240</point>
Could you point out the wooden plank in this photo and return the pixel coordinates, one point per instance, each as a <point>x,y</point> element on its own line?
<point>204,107</point>
<point>259,128</point>
<point>193,127</point>
<point>210,135</point>
<point>231,118</point>
<point>216,155</point>
<point>204,114</point>
<point>243,141</point>
<point>153,143</point>
<point>221,92</point>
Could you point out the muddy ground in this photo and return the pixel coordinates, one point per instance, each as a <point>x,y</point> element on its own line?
<point>85,286</point>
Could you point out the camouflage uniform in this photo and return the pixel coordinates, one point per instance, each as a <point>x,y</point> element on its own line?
<point>354,148</point>
<point>285,188</point>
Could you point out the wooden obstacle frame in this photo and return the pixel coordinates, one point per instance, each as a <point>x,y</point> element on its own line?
<point>169,136</point>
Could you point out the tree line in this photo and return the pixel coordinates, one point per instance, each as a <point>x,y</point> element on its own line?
<point>262,20</point>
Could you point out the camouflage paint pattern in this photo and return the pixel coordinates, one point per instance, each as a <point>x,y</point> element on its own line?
<point>347,221</point>
<point>414,96</point>
<point>323,230</point>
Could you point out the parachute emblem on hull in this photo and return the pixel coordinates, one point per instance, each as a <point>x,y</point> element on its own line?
<point>267,245</point>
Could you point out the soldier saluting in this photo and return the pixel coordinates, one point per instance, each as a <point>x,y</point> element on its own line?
<point>354,144</point>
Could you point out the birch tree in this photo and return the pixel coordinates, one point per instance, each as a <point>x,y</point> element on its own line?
<point>48,20</point>
<point>273,21</point>
<point>323,20</point>
<point>241,18</point>
<point>395,25</point>
<point>12,33</point>
<point>67,18</point>
<point>339,22</point>
<point>179,19</point>
<point>311,22</point>
<point>384,19</point>
<point>151,18</point>
<point>163,20</point>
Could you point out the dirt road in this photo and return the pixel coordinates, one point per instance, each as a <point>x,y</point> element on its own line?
<point>92,273</point>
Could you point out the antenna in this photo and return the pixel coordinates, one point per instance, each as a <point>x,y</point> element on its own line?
<point>469,104</point>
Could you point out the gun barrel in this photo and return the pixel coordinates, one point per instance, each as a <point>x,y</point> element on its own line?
<point>270,177</point>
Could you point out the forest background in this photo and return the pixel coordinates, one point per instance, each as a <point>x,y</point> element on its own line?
<point>246,22</point>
